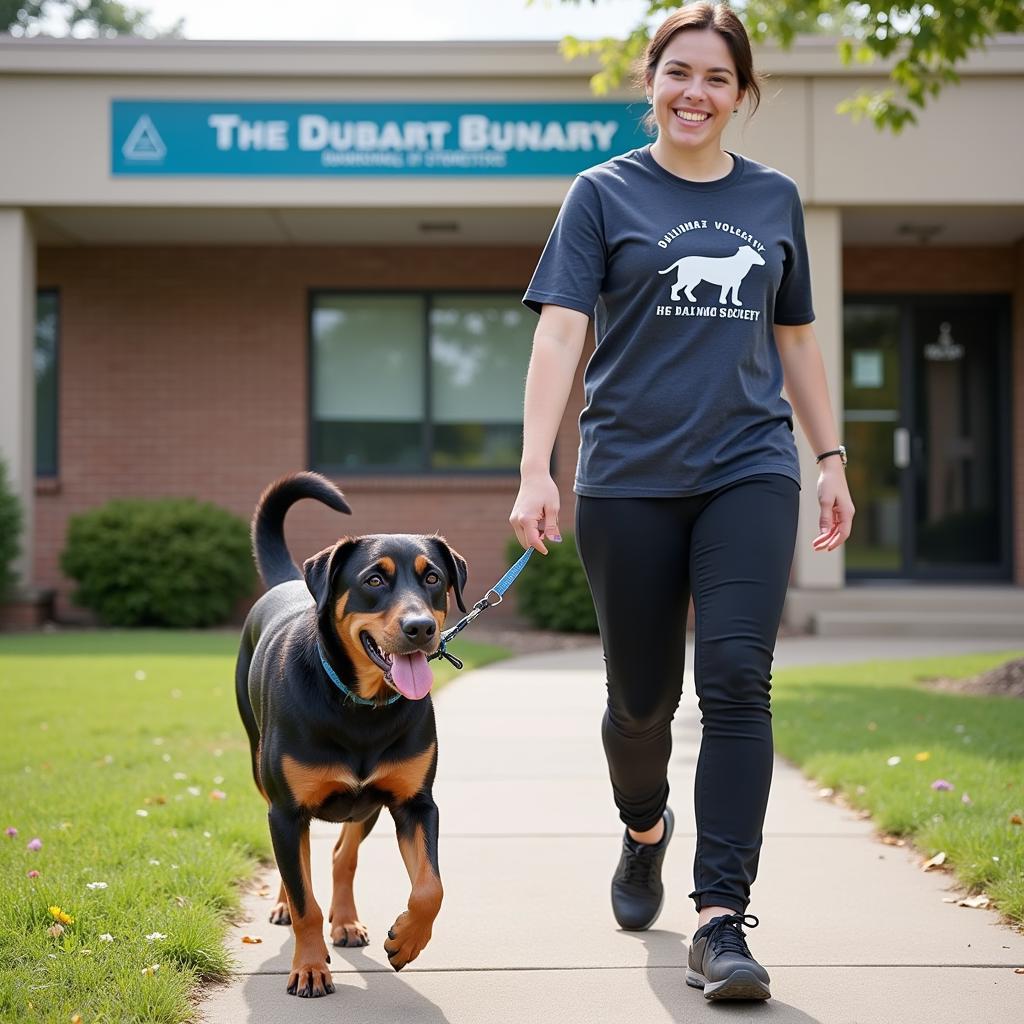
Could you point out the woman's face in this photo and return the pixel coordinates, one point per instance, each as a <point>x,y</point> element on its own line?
<point>694,89</point>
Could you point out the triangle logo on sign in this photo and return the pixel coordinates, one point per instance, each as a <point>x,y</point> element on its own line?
<point>144,142</point>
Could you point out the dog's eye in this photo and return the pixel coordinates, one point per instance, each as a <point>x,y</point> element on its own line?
<point>432,578</point>
<point>375,581</point>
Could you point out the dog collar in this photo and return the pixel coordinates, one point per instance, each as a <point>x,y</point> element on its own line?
<point>354,697</point>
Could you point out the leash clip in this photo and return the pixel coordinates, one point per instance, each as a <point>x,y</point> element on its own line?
<point>442,652</point>
<point>451,657</point>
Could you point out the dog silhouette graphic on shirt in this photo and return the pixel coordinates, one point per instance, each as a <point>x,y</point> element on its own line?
<point>726,271</point>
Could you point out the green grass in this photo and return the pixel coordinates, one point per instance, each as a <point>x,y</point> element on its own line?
<point>98,726</point>
<point>841,724</point>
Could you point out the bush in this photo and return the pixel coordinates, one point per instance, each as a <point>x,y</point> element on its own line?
<point>552,591</point>
<point>10,532</point>
<point>166,562</point>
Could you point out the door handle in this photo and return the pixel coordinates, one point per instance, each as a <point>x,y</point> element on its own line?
<point>901,447</point>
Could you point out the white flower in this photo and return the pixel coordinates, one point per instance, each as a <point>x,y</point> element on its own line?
<point>142,814</point>
<point>106,937</point>
<point>155,863</point>
<point>96,885</point>
<point>194,790</point>
<point>140,675</point>
<point>154,936</point>
<point>894,760</point>
<point>218,779</point>
<point>180,776</point>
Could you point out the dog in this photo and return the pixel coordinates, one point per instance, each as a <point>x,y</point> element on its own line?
<point>726,271</point>
<point>368,609</point>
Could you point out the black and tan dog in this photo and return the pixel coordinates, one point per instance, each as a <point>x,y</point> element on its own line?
<point>363,613</point>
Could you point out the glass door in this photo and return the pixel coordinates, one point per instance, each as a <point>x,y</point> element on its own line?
<point>959,439</point>
<point>927,423</point>
<point>872,376</point>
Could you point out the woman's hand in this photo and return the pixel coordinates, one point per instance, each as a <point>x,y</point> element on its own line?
<point>836,519</point>
<point>535,513</point>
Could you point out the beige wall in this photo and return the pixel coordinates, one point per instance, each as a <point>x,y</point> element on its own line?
<point>17,380</point>
<point>824,232</point>
<point>966,136</point>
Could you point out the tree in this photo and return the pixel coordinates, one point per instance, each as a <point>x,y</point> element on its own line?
<point>929,39</point>
<point>96,17</point>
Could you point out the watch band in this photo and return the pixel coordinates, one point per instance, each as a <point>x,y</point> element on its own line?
<point>840,451</point>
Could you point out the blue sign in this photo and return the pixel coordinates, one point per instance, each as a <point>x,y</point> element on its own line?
<point>185,137</point>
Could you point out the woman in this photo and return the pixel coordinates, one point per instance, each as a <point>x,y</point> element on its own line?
<point>693,263</point>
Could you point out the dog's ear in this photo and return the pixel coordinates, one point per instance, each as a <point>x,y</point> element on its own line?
<point>455,564</point>
<point>322,569</point>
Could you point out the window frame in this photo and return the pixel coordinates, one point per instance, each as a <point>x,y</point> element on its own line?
<point>427,295</point>
<point>57,348</point>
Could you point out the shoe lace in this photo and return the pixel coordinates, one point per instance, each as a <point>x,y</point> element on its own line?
<point>727,935</point>
<point>639,864</point>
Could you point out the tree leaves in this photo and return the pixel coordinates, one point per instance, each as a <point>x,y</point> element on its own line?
<point>927,39</point>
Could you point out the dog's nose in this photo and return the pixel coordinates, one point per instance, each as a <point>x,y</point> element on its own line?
<point>419,628</point>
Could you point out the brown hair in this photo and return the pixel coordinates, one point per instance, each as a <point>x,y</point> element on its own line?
<point>705,15</point>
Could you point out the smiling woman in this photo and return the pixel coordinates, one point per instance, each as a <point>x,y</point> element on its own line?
<point>685,440</point>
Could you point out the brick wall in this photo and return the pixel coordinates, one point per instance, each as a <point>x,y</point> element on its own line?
<point>183,371</point>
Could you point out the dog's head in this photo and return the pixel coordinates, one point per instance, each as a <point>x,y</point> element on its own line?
<point>381,602</point>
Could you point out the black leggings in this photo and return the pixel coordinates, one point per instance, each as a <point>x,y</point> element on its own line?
<point>733,547</point>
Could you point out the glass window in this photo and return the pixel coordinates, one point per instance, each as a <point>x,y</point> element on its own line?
<point>47,331</point>
<point>479,353</point>
<point>418,383</point>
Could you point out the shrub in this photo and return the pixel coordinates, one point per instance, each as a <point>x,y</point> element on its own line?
<point>10,532</point>
<point>165,562</point>
<point>552,591</point>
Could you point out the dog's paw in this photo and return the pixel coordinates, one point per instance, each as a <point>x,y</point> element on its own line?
<point>349,934</point>
<point>280,914</point>
<point>406,940</point>
<point>310,980</point>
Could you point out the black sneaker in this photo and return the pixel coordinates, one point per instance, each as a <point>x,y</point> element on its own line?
<point>721,964</point>
<point>637,892</point>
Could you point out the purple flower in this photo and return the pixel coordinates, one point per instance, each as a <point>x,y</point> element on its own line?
<point>10,831</point>
<point>35,844</point>
<point>942,784</point>
<point>33,874</point>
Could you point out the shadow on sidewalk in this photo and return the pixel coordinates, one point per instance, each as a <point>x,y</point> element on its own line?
<point>687,1005</point>
<point>370,995</point>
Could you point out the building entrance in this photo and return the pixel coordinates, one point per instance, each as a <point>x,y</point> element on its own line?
<point>927,423</point>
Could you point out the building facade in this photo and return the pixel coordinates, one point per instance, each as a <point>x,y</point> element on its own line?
<point>222,262</point>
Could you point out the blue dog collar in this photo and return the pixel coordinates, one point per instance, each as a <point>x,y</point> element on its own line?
<point>354,697</point>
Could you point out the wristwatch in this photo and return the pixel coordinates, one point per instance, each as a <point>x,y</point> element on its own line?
<point>840,451</point>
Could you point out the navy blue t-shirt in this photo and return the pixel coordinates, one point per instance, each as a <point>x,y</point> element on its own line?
<point>684,280</point>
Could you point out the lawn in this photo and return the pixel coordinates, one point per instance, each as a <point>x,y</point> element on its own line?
<point>846,726</point>
<point>123,759</point>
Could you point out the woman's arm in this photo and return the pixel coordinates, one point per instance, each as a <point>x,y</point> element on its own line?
<point>557,346</point>
<point>807,389</point>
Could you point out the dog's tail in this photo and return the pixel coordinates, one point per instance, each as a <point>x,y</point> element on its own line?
<point>268,544</point>
<point>673,267</point>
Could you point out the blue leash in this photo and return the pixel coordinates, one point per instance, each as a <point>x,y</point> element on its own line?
<point>498,589</point>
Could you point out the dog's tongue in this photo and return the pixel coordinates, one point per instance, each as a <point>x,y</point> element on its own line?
<point>411,675</point>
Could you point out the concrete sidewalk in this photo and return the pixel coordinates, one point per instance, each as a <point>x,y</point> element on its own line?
<point>851,929</point>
